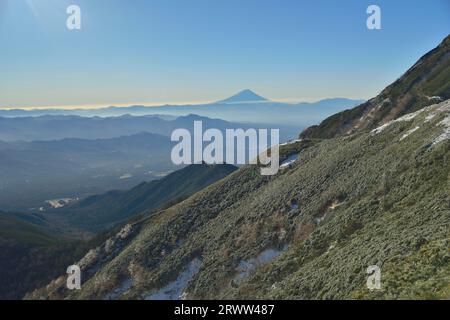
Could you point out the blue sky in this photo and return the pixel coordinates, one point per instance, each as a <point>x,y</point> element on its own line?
<point>158,51</point>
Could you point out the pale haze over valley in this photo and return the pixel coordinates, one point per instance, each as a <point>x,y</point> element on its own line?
<point>224,150</point>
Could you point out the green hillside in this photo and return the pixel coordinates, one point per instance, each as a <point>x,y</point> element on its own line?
<point>24,229</point>
<point>378,194</point>
<point>34,249</point>
<point>101,212</point>
<point>310,232</point>
<point>31,255</point>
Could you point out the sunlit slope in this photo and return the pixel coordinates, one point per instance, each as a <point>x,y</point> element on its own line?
<point>427,82</point>
<point>374,198</point>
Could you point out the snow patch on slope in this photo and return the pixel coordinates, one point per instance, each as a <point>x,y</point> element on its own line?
<point>289,161</point>
<point>175,289</point>
<point>246,267</point>
<point>406,117</point>
<point>446,134</point>
<point>290,142</point>
<point>409,132</point>
<point>444,108</point>
<point>431,113</point>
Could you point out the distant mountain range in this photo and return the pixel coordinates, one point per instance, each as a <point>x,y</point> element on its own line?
<point>89,155</point>
<point>50,127</point>
<point>33,172</point>
<point>246,106</point>
<point>367,187</point>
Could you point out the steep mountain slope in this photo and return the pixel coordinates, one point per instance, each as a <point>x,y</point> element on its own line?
<point>30,255</point>
<point>375,198</point>
<point>34,249</point>
<point>425,83</point>
<point>104,211</point>
<point>338,205</point>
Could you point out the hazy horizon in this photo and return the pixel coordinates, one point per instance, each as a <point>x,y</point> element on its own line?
<point>168,103</point>
<point>173,52</point>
